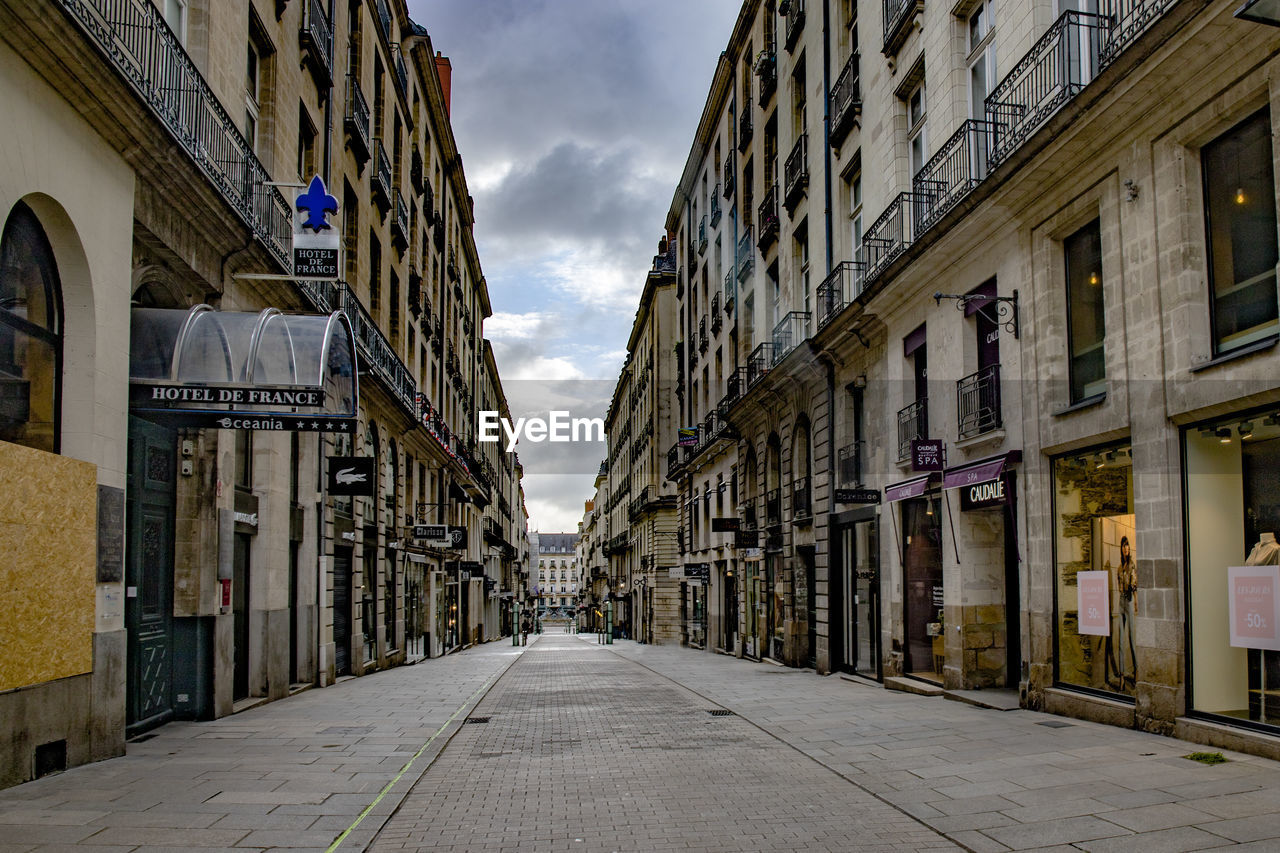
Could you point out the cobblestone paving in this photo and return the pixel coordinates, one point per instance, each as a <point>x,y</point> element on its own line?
<point>584,751</point>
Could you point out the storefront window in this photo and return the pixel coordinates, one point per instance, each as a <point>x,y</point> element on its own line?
<point>1233,561</point>
<point>1086,328</point>
<point>1097,581</point>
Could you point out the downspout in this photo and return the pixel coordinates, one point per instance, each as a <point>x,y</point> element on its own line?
<point>320,437</point>
<point>826,126</point>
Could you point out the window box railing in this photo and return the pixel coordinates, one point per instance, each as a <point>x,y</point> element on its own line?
<point>773,507</point>
<point>730,291</point>
<point>889,235</point>
<point>703,341</point>
<point>702,236</point>
<point>715,206</point>
<point>675,460</point>
<point>400,222</point>
<point>1057,67</point>
<point>743,256</point>
<point>795,172</point>
<point>795,24</point>
<point>381,176</point>
<point>846,100</point>
<point>759,362</point>
<point>356,121</point>
<point>769,220</point>
<point>316,38</point>
<point>728,176</point>
<point>381,358</point>
<point>1127,19</point>
<point>750,514</point>
<point>789,332</point>
<point>735,387</point>
<point>134,39</point>
<point>717,322</point>
<point>913,422</point>
<point>838,289</point>
<point>744,129</point>
<point>951,174</point>
<point>978,402</point>
<point>849,466</point>
<point>898,15</point>
<point>801,499</point>
<point>767,71</point>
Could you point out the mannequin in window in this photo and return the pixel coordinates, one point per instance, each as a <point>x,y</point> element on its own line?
<point>1266,552</point>
<point>1121,655</point>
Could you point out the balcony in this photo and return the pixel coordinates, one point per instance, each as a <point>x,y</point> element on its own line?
<point>316,40</point>
<point>978,402</point>
<point>898,15</point>
<point>418,178</point>
<point>702,236</point>
<point>801,500</point>
<point>846,101</point>
<point>400,223</point>
<point>795,24</point>
<point>381,176</point>
<point>356,122</point>
<point>758,363</point>
<point>675,461</point>
<point>703,340</point>
<point>134,41</point>
<point>795,173</point>
<point>789,332</point>
<point>415,296</point>
<point>728,177</point>
<point>889,236</point>
<point>767,71</point>
<point>838,289</point>
<point>744,129</point>
<point>773,507</point>
<point>451,264</point>
<point>729,292</point>
<point>715,206</point>
<point>769,221</point>
<point>384,19</point>
<point>913,423</point>
<point>744,257</point>
<point>750,514</point>
<point>1056,68</point>
<point>735,387</point>
<point>952,173</point>
<point>849,466</point>
<point>380,360</point>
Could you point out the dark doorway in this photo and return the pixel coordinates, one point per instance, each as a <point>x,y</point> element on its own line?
<point>293,613</point>
<point>240,580</point>
<point>1012,589</point>
<point>149,575</point>
<point>342,611</point>
<point>922,587</point>
<point>858,562</point>
<point>729,640</point>
<point>810,604</point>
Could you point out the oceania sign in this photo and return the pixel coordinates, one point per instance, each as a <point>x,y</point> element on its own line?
<point>557,427</point>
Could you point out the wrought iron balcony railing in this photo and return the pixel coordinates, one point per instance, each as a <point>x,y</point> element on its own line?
<point>383,362</point>
<point>400,222</point>
<point>889,235</point>
<point>846,100</point>
<point>703,341</point>
<point>1128,19</point>
<point>898,15</point>
<point>735,386</point>
<point>773,507</point>
<point>1057,67</point>
<point>849,466</point>
<point>728,176</point>
<point>715,206</point>
<point>801,499</point>
<point>135,40</point>
<point>759,362</point>
<point>767,71</point>
<point>356,121</point>
<point>381,175</point>
<point>795,172</point>
<point>675,460</point>
<point>913,422</point>
<point>978,402</point>
<point>789,332</point>
<point>730,291</point>
<point>795,23</point>
<point>717,322</point>
<point>744,128</point>
<point>768,218</point>
<point>316,39</point>
<point>702,236</point>
<point>384,19</point>
<point>744,256</point>
<point>951,174</point>
<point>838,289</point>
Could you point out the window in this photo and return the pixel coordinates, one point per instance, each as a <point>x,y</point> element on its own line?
<point>1086,328</point>
<point>30,334</point>
<point>175,15</point>
<point>855,216</point>
<point>981,58</point>
<point>252,87</point>
<point>1240,225</point>
<point>306,145</point>
<point>918,144</point>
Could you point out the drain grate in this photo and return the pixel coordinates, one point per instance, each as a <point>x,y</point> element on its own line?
<point>720,712</point>
<point>476,720</point>
<point>1055,724</point>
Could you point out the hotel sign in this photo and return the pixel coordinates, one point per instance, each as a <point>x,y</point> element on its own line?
<point>163,393</point>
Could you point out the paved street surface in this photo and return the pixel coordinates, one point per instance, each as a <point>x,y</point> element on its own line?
<point>604,748</point>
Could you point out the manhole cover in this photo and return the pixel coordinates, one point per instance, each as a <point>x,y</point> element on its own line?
<point>1055,724</point>
<point>347,730</point>
<point>474,720</point>
<point>720,712</point>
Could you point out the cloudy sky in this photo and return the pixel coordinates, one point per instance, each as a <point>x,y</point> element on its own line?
<point>574,119</point>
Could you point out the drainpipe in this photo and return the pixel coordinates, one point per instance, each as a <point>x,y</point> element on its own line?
<point>826,125</point>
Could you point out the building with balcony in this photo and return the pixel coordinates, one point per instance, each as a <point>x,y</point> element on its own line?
<point>557,583</point>
<point>201,559</point>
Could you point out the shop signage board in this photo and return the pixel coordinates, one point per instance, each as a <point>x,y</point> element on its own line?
<point>317,245</point>
<point>186,419</point>
<point>1253,599</point>
<point>927,454</point>
<point>725,525</point>
<point>1093,603</point>
<point>857,496</point>
<point>687,436</point>
<point>472,568</point>
<point>697,572</point>
<point>440,535</point>
<point>351,475</point>
<point>752,555</point>
<point>992,493</point>
<point>164,393</point>
<point>746,538</point>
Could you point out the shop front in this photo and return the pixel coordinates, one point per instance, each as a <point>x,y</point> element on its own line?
<point>919,539</point>
<point>1232,506</point>
<point>855,593</point>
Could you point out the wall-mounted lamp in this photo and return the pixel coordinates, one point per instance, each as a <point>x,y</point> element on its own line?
<point>1245,429</point>
<point>860,381</point>
<point>1260,12</point>
<point>1224,435</point>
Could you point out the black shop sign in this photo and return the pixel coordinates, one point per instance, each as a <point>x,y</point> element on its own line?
<point>988,495</point>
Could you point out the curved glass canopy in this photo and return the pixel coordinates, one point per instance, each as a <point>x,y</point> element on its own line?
<point>265,363</point>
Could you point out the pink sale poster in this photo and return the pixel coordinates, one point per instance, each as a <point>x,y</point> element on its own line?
<point>1095,608</point>
<point>1255,606</point>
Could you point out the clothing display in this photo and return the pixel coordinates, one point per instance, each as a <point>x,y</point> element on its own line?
<point>1265,553</point>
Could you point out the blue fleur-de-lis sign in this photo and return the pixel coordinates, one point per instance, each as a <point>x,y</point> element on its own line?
<point>317,202</point>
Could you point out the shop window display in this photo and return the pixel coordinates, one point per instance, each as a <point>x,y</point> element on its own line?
<point>1233,563</point>
<point>1097,582</point>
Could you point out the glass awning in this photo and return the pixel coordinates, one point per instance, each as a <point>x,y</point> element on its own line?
<point>260,366</point>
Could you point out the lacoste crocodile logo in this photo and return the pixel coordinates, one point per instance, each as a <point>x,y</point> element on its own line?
<point>347,476</point>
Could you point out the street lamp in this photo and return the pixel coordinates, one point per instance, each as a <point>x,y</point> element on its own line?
<point>1260,12</point>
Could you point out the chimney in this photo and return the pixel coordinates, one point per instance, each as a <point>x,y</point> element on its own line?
<point>445,70</point>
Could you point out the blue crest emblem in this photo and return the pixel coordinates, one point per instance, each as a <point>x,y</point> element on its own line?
<point>317,202</point>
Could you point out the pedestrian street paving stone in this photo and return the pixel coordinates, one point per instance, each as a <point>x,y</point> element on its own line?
<point>576,749</point>
<point>295,773</point>
<point>996,780</point>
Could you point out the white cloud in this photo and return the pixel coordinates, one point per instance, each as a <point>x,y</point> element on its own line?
<point>506,326</point>
<point>542,367</point>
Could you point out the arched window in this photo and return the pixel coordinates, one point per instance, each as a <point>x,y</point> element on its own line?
<point>30,334</point>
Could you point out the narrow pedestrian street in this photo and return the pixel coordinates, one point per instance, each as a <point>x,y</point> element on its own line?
<point>570,745</point>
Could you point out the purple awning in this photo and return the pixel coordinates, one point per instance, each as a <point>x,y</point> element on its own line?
<point>913,341</point>
<point>982,471</point>
<point>913,488</point>
<point>987,289</point>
